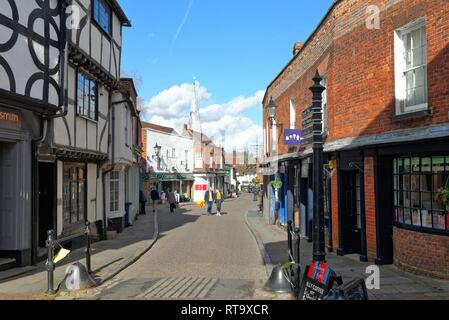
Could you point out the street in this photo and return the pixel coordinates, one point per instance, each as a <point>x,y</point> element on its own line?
<point>196,256</point>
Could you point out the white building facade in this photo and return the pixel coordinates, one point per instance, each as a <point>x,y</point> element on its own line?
<point>169,160</point>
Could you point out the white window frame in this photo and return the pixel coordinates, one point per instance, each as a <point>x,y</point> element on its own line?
<point>114,182</point>
<point>325,106</point>
<point>400,68</point>
<point>293,106</point>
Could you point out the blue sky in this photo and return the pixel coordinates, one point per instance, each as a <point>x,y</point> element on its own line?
<point>234,48</point>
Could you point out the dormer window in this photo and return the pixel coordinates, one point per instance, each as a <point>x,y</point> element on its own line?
<point>102,15</point>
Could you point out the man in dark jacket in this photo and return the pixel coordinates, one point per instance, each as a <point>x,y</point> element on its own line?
<point>143,202</point>
<point>209,198</point>
<point>154,197</point>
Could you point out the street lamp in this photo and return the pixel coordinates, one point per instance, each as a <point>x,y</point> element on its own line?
<point>318,188</point>
<point>272,110</point>
<point>157,151</point>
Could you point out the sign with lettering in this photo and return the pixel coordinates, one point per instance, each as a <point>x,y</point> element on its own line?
<point>9,119</point>
<point>317,282</point>
<point>292,137</point>
<point>308,112</point>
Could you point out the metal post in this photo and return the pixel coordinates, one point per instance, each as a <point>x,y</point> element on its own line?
<point>290,240</point>
<point>298,258</point>
<point>88,257</point>
<point>318,188</point>
<point>50,265</point>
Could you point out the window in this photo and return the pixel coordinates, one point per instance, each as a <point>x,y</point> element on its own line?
<point>102,15</point>
<point>293,114</point>
<point>114,190</point>
<point>411,67</point>
<point>325,108</point>
<point>187,160</point>
<point>417,182</point>
<point>86,97</point>
<point>74,193</point>
<point>173,153</point>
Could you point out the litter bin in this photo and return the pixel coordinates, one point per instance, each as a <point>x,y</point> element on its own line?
<point>127,208</point>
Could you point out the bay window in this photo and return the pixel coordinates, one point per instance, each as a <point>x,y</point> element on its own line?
<point>417,184</point>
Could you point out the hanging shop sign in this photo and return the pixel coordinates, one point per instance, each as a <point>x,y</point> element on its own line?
<point>9,119</point>
<point>292,137</point>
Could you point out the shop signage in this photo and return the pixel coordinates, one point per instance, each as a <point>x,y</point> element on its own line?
<point>292,137</point>
<point>227,173</point>
<point>317,282</point>
<point>9,119</point>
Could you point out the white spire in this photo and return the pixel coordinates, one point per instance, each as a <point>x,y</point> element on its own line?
<point>195,121</point>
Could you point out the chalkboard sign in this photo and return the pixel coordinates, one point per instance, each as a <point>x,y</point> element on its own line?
<point>318,280</point>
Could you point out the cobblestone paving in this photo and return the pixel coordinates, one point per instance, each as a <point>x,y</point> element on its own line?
<point>196,257</point>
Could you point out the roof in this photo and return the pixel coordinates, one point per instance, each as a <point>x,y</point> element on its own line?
<point>156,127</point>
<point>131,81</point>
<point>120,13</point>
<point>306,43</point>
<point>204,138</point>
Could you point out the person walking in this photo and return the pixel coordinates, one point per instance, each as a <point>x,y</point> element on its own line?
<point>143,202</point>
<point>218,201</point>
<point>209,198</point>
<point>171,198</point>
<point>255,192</point>
<point>154,197</point>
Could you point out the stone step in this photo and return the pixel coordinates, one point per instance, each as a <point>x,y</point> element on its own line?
<point>6,264</point>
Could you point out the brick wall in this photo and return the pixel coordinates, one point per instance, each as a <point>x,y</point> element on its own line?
<point>370,209</point>
<point>359,65</point>
<point>421,253</point>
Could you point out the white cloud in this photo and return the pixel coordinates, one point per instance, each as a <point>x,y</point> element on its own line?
<point>224,123</point>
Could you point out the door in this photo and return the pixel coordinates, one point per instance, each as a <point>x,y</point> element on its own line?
<point>47,198</point>
<point>8,196</point>
<point>351,212</point>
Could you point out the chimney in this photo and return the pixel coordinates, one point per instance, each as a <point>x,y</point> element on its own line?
<point>297,47</point>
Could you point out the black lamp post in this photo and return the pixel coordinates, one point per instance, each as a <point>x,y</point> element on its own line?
<point>317,89</point>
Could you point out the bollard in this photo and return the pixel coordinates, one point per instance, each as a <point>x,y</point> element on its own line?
<point>88,251</point>
<point>298,259</point>
<point>50,265</point>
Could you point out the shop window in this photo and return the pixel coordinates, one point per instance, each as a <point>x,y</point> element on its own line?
<point>417,185</point>
<point>74,193</point>
<point>411,67</point>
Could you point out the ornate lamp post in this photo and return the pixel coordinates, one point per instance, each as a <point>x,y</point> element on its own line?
<point>318,188</point>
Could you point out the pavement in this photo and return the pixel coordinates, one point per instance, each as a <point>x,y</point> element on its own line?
<point>395,284</point>
<point>108,259</point>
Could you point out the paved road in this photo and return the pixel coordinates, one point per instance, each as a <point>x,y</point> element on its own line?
<point>196,256</point>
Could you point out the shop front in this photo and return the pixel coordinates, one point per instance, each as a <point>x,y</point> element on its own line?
<point>16,192</point>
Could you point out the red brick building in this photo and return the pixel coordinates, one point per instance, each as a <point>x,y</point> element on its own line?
<point>386,109</point>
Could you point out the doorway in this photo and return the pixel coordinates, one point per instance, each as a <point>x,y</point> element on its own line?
<point>47,197</point>
<point>352,213</point>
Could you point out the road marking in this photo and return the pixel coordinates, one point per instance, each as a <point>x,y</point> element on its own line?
<point>208,288</point>
<point>185,292</point>
<point>176,288</point>
<point>157,284</point>
<point>198,289</point>
<point>173,285</point>
<point>167,283</point>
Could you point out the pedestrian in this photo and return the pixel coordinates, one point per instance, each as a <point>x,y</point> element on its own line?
<point>154,197</point>
<point>171,198</point>
<point>209,198</point>
<point>218,201</point>
<point>163,197</point>
<point>143,202</point>
<point>255,192</point>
